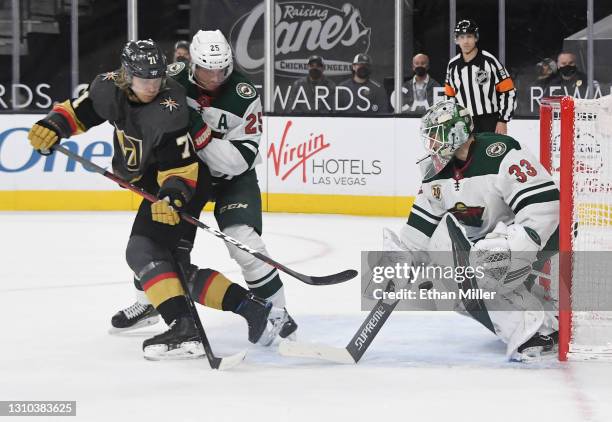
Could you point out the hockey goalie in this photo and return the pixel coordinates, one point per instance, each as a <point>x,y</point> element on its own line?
<point>486,195</point>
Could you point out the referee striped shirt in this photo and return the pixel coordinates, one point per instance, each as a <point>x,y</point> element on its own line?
<point>482,85</point>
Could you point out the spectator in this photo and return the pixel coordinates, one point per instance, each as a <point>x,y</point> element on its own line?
<point>569,80</point>
<point>547,69</point>
<point>418,92</point>
<point>181,51</point>
<point>313,93</point>
<point>360,93</point>
<point>479,82</point>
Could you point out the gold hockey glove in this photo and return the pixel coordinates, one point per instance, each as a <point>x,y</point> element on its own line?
<point>43,136</point>
<point>163,212</point>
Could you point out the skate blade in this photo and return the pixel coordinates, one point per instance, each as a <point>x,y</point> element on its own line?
<point>535,354</point>
<point>186,350</point>
<point>140,324</point>
<point>279,316</point>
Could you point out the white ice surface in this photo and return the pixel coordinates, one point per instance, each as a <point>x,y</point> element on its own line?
<point>63,275</point>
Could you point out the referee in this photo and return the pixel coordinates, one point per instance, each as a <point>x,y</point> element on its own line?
<point>479,82</point>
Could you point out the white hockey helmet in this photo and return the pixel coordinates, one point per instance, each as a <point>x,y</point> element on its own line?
<point>444,128</point>
<point>210,50</point>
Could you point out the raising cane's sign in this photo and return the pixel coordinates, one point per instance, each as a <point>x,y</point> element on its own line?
<point>302,29</point>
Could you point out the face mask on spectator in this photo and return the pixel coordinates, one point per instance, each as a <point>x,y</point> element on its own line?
<point>568,70</point>
<point>315,73</point>
<point>420,71</point>
<point>363,72</point>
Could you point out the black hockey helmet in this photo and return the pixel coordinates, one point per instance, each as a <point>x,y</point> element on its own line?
<point>143,59</point>
<point>466,26</point>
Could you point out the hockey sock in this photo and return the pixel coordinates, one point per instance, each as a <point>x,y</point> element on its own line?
<point>213,289</point>
<point>165,292</point>
<point>173,308</point>
<point>267,285</point>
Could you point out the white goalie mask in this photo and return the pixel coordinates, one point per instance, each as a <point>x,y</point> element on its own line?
<point>210,50</point>
<point>444,128</point>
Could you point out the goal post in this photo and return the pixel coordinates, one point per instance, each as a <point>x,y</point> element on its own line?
<point>576,148</point>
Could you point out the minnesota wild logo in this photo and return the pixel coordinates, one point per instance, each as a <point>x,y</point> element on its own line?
<point>175,68</point>
<point>470,216</point>
<point>245,90</point>
<point>496,149</point>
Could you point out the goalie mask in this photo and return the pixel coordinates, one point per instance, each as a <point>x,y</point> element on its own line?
<point>211,53</point>
<point>444,129</point>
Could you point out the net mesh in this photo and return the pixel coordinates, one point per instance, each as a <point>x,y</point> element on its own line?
<point>591,291</point>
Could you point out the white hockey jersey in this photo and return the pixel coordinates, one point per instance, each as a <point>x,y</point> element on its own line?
<point>500,181</point>
<point>225,129</point>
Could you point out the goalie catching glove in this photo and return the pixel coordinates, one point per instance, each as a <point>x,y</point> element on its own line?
<point>506,255</point>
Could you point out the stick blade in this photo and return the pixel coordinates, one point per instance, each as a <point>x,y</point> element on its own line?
<point>315,351</point>
<point>328,280</point>
<point>231,361</point>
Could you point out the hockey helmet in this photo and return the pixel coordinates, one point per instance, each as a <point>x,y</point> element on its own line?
<point>143,59</point>
<point>466,26</point>
<point>444,128</point>
<point>210,50</point>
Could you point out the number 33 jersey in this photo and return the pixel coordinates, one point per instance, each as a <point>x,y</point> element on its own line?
<point>499,181</point>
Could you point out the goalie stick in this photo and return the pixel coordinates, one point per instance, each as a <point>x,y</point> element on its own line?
<point>373,323</point>
<point>461,257</point>
<point>312,280</point>
<point>358,345</point>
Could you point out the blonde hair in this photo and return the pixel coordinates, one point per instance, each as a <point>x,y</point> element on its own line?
<point>123,80</point>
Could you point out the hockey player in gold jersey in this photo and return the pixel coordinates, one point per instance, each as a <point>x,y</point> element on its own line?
<point>226,129</point>
<point>152,149</point>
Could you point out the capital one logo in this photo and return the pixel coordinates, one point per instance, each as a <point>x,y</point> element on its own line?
<point>16,155</point>
<point>302,29</point>
<point>287,158</point>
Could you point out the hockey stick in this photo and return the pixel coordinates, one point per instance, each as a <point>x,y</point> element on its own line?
<point>358,345</point>
<point>461,256</point>
<point>312,280</point>
<point>215,362</point>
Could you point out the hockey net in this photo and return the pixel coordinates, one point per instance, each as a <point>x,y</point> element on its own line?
<point>576,147</point>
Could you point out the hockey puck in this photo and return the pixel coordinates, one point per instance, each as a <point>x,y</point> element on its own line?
<point>426,285</point>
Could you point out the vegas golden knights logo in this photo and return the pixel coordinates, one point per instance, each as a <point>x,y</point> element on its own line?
<point>436,191</point>
<point>131,148</point>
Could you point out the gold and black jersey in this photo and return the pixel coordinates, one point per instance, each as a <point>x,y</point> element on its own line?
<point>151,134</point>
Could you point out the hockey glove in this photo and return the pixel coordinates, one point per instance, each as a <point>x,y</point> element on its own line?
<point>163,212</point>
<point>506,255</point>
<point>43,136</point>
<point>202,138</point>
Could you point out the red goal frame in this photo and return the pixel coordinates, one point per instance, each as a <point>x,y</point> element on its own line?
<point>566,108</point>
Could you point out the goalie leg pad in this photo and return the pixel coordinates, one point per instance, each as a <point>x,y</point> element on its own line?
<point>518,316</point>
